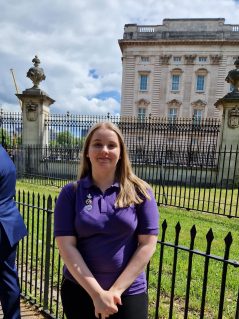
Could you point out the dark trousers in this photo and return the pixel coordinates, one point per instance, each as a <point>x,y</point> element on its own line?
<point>77,304</point>
<point>9,284</point>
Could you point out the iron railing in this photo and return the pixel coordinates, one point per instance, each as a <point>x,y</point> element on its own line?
<point>181,279</point>
<point>10,128</point>
<point>64,130</point>
<point>206,181</point>
<point>139,133</point>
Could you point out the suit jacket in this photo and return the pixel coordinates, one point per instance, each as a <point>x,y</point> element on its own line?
<point>10,218</point>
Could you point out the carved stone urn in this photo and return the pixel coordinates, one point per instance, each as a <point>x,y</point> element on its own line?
<point>36,74</point>
<point>233,78</point>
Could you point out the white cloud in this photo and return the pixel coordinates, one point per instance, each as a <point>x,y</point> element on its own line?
<point>73,37</point>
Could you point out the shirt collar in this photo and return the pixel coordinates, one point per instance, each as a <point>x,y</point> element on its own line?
<point>87,182</point>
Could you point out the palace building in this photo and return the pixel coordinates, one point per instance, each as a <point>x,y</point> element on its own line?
<point>177,69</point>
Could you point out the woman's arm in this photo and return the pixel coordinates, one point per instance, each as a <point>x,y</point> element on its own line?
<point>104,301</point>
<point>138,262</point>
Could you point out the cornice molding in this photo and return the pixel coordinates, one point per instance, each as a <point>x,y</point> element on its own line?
<point>125,43</point>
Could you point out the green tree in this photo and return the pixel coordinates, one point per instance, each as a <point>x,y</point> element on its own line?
<point>5,138</point>
<point>64,139</point>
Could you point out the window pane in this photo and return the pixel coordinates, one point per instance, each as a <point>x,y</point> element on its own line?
<point>144,59</point>
<point>176,58</point>
<point>141,112</point>
<point>175,82</point>
<point>143,82</point>
<point>172,114</point>
<point>202,59</point>
<point>200,82</point>
<point>197,116</point>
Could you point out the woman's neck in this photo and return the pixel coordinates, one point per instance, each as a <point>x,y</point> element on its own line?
<point>103,181</point>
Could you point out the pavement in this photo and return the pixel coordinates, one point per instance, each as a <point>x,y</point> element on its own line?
<point>27,311</point>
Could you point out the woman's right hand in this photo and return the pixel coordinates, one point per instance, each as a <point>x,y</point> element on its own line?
<point>106,304</point>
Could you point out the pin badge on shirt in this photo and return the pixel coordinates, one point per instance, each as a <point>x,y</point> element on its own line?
<point>88,202</point>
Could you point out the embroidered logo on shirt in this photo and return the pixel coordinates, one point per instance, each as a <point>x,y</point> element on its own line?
<point>88,202</point>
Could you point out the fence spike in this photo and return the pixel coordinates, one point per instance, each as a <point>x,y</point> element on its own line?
<point>178,227</point>
<point>228,239</point>
<point>210,235</point>
<point>193,232</point>
<point>164,225</point>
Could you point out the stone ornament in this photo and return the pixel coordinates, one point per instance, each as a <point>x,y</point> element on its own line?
<point>143,102</point>
<point>31,111</point>
<point>165,58</point>
<point>233,78</point>
<point>35,73</point>
<point>189,59</point>
<point>174,103</point>
<point>215,59</point>
<point>233,117</point>
<point>199,103</point>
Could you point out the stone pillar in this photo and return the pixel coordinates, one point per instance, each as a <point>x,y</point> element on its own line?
<point>35,108</point>
<point>229,107</point>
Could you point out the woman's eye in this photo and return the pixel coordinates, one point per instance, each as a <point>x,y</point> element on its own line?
<point>97,145</point>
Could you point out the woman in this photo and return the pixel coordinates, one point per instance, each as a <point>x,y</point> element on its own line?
<point>106,229</point>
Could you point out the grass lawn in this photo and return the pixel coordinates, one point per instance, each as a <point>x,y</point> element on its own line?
<point>220,226</point>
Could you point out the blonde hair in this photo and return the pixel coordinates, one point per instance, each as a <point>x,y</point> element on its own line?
<point>132,188</point>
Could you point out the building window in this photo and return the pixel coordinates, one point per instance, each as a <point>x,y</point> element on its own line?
<point>141,113</point>
<point>177,59</point>
<point>202,59</point>
<point>197,116</point>
<point>145,59</point>
<point>172,114</point>
<point>200,85</point>
<point>175,82</point>
<point>143,86</point>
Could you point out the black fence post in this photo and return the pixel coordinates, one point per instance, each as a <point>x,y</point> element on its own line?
<point>47,253</point>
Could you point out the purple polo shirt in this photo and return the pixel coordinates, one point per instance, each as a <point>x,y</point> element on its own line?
<point>106,235</point>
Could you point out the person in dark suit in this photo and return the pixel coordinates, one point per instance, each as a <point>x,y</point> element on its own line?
<point>12,229</point>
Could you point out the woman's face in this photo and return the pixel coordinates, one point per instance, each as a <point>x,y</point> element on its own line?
<point>104,150</point>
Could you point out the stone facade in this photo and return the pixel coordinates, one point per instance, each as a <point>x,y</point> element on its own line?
<point>177,68</point>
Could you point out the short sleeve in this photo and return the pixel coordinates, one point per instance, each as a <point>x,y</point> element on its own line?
<point>148,216</point>
<point>64,213</point>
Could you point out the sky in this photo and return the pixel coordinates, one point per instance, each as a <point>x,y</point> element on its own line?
<point>77,44</point>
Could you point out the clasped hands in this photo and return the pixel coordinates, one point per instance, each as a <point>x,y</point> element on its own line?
<point>106,303</point>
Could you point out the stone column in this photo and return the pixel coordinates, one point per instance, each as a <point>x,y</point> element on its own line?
<point>229,107</point>
<point>35,108</point>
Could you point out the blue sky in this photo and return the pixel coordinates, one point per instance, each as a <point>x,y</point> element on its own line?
<point>77,43</point>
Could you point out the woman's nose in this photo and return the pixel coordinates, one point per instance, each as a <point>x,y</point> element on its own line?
<point>105,149</point>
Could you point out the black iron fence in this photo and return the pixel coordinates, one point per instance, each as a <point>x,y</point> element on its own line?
<point>183,282</point>
<point>205,180</point>
<point>10,128</point>
<point>141,134</point>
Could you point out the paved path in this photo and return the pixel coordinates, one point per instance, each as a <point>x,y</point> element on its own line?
<point>27,312</point>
